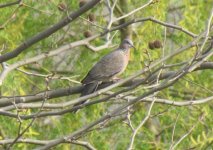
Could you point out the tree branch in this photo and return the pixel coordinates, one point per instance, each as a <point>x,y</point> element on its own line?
<point>7,101</point>
<point>10,4</point>
<point>71,17</point>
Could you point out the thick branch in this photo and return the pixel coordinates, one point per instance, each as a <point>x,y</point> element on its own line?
<point>156,21</point>
<point>5,101</point>
<point>43,142</point>
<point>10,4</point>
<point>40,96</point>
<point>71,17</point>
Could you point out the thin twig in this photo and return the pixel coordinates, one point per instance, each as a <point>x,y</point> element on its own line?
<point>130,147</point>
<point>134,11</point>
<point>173,131</point>
<point>10,4</point>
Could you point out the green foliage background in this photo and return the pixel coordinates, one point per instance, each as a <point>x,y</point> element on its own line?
<point>36,16</point>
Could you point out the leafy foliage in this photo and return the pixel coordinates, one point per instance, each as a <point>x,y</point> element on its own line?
<point>21,22</point>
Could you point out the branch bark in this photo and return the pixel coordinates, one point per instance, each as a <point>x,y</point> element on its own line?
<point>8,101</point>
<point>10,4</point>
<point>44,34</point>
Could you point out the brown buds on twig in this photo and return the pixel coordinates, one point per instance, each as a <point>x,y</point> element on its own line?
<point>87,33</point>
<point>155,44</point>
<point>62,7</point>
<point>91,17</point>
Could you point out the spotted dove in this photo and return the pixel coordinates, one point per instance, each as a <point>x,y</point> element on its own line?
<point>107,68</point>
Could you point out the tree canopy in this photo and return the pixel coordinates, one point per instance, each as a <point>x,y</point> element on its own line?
<point>163,100</point>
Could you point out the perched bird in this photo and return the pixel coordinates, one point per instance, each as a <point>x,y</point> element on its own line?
<point>107,68</point>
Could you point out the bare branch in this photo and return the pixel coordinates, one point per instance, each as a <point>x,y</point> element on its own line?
<point>140,125</point>
<point>5,101</point>
<point>71,17</point>
<point>83,144</point>
<point>43,142</point>
<point>134,11</point>
<point>30,141</point>
<point>185,135</point>
<point>204,42</point>
<point>10,4</point>
<point>85,42</point>
<point>44,55</point>
<point>153,20</point>
<point>173,131</point>
<point>21,133</point>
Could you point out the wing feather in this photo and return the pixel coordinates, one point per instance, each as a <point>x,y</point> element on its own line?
<point>107,67</point>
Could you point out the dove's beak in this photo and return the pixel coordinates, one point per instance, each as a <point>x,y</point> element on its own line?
<point>133,47</point>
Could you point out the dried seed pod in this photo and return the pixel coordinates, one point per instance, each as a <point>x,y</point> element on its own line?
<point>157,44</point>
<point>87,34</point>
<point>91,17</point>
<point>62,7</point>
<point>82,3</point>
<point>151,45</point>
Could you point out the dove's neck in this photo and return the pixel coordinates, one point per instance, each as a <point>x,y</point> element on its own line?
<point>126,52</point>
<point>125,49</point>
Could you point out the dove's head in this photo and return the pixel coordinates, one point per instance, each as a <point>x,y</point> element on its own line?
<point>126,44</point>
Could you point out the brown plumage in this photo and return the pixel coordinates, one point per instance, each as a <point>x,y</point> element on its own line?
<point>107,68</point>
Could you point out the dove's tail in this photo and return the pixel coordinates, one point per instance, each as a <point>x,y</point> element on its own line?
<point>88,89</point>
